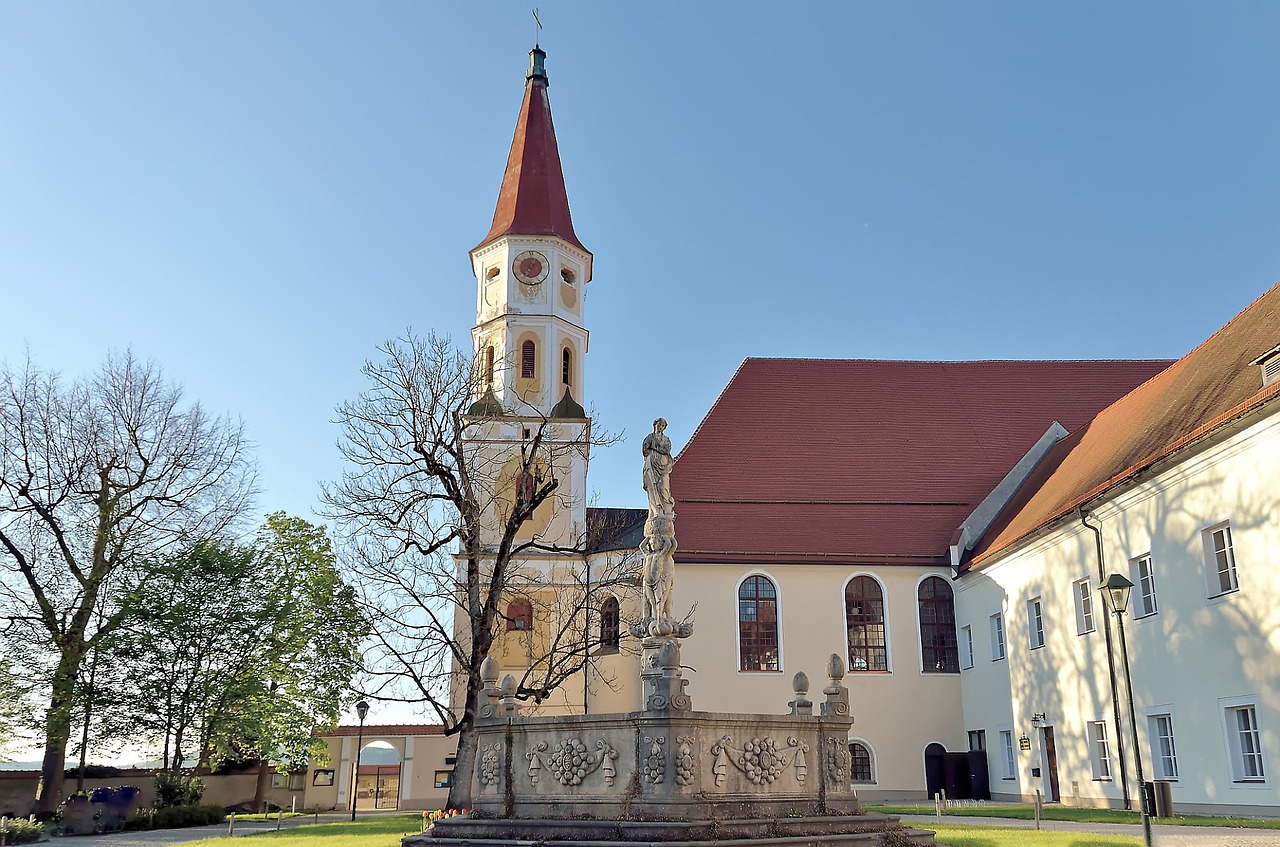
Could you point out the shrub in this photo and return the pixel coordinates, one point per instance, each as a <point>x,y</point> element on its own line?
<point>177,817</point>
<point>22,831</point>
<point>174,789</point>
<point>92,772</point>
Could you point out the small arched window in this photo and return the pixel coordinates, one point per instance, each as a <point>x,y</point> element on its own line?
<point>861,770</point>
<point>520,615</point>
<point>864,622</point>
<point>566,366</point>
<point>938,651</point>
<point>528,356</point>
<point>758,624</point>
<point>488,365</point>
<point>610,622</point>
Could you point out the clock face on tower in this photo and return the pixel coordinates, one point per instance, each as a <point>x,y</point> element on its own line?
<point>530,267</point>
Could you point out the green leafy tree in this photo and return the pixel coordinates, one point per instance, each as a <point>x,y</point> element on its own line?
<point>308,646</point>
<point>98,477</point>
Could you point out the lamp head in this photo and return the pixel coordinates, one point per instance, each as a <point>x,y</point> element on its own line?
<point>362,709</point>
<point>1117,591</point>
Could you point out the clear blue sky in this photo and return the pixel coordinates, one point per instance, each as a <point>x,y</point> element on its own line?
<point>256,194</point>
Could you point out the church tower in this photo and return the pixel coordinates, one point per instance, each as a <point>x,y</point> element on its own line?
<point>530,339</point>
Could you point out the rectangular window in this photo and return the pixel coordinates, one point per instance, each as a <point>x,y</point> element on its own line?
<point>977,739</point>
<point>1084,606</point>
<point>1035,623</point>
<point>1245,744</point>
<point>297,781</point>
<point>966,647</point>
<point>1144,592</point>
<point>1009,761</point>
<point>1221,560</point>
<point>997,637</point>
<point>1099,754</point>
<point>1163,753</point>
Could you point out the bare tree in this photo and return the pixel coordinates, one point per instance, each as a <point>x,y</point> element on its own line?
<point>442,517</point>
<point>98,477</point>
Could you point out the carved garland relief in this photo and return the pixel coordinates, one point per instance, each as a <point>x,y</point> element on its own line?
<point>490,765</point>
<point>837,761</point>
<point>570,761</point>
<point>686,764</point>
<point>761,760</point>
<point>654,763</point>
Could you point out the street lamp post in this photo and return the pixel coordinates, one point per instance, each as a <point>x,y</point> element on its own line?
<point>1116,590</point>
<point>362,709</point>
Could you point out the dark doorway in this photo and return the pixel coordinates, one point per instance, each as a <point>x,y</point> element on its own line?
<point>1051,762</point>
<point>935,772</point>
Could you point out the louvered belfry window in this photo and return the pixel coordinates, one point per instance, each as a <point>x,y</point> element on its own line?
<point>566,366</point>
<point>528,354</point>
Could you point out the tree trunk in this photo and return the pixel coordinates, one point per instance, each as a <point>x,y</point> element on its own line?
<point>260,788</point>
<point>57,733</point>
<point>463,770</point>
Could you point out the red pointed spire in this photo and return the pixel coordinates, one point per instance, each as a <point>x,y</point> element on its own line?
<point>533,200</point>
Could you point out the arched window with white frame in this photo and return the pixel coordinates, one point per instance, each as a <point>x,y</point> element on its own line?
<point>758,624</point>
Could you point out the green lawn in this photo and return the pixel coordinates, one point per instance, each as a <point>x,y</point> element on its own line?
<point>1068,813</point>
<point>959,835</point>
<point>374,832</point>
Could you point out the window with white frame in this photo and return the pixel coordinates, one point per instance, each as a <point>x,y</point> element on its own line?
<point>997,636</point>
<point>1084,606</point>
<point>1099,752</point>
<point>1035,623</point>
<point>966,647</point>
<point>1244,743</point>
<point>1144,581</point>
<point>1008,762</point>
<point>1164,755</point>
<point>1220,557</point>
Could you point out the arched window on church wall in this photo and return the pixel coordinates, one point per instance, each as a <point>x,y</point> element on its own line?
<point>938,650</point>
<point>610,622</point>
<point>861,770</point>
<point>566,366</point>
<point>758,624</point>
<point>488,365</point>
<point>528,359</point>
<point>864,622</point>
<point>519,616</point>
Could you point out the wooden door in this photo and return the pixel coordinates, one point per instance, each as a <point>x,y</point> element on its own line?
<point>1051,762</point>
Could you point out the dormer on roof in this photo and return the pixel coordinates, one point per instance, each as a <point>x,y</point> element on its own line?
<point>1270,364</point>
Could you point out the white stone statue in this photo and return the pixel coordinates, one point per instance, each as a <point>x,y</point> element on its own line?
<point>659,545</point>
<point>657,469</point>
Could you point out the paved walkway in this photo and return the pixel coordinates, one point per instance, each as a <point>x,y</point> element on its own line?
<point>1163,835</point>
<point>163,837</point>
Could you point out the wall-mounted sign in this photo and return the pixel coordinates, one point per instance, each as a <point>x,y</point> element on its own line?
<point>1024,743</point>
<point>444,779</point>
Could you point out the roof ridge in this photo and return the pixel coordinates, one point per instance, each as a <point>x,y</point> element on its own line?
<point>834,360</point>
<point>737,372</point>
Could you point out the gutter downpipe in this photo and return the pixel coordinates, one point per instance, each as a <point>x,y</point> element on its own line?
<point>1111,663</point>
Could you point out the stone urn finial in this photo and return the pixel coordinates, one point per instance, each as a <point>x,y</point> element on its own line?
<point>489,671</point>
<point>837,702</point>
<point>801,705</point>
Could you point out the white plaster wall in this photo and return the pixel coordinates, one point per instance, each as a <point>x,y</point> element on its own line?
<point>1196,651</point>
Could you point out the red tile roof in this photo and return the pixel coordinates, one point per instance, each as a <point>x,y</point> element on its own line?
<point>373,729</point>
<point>533,200</point>
<point>869,461</point>
<point>1208,388</point>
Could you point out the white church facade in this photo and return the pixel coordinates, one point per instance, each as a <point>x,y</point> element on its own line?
<point>928,521</point>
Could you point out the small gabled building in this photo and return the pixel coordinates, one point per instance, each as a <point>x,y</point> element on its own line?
<point>1176,486</point>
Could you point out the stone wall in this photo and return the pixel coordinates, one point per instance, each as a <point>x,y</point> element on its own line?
<point>675,766</point>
